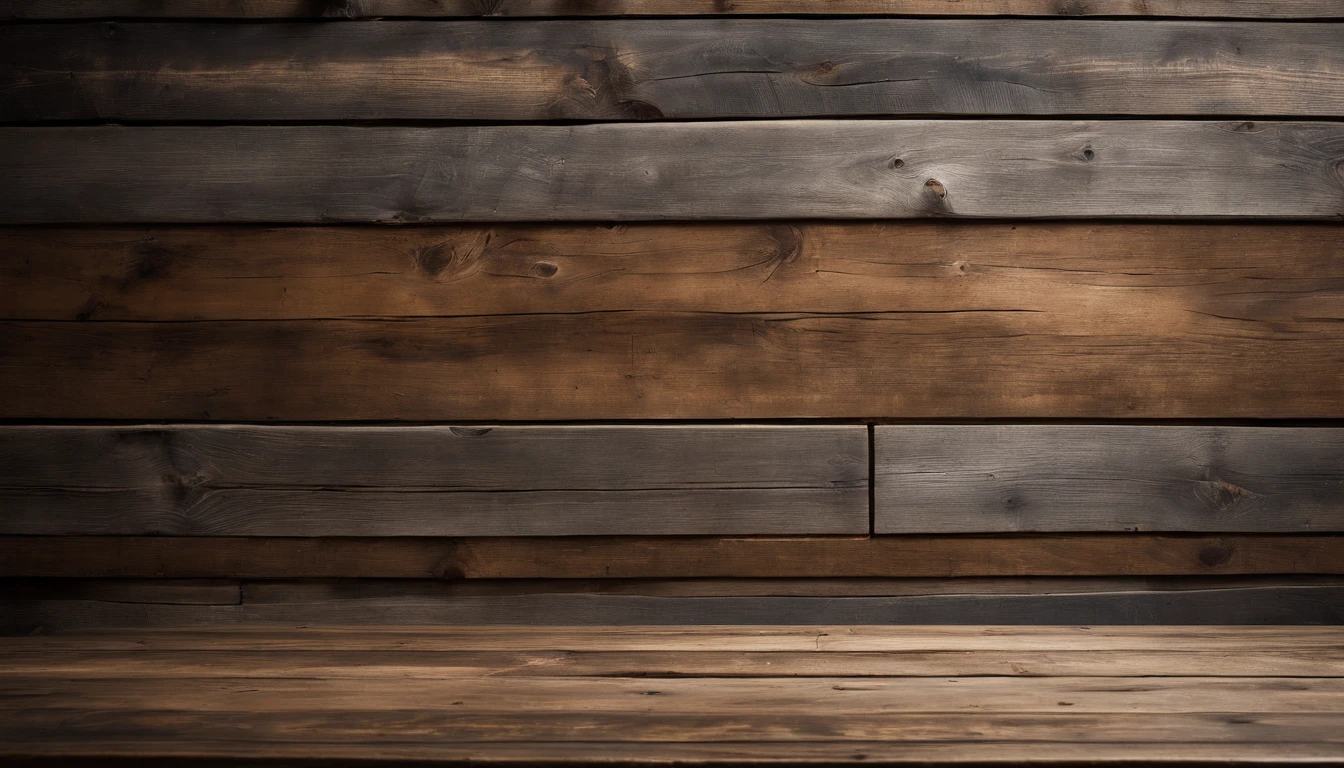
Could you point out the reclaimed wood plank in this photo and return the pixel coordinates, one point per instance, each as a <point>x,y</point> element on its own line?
<point>356,9</point>
<point>1090,276</point>
<point>1300,600</point>
<point>989,362</point>
<point>241,480</point>
<point>642,69</point>
<point>438,665</point>
<point>693,170</point>
<point>979,479</point>
<point>666,557</point>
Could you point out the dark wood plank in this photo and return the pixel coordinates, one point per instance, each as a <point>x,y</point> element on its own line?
<point>638,70</point>
<point>692,170</point>
<point>1243,600</point>
<point>409,481</point>
<point>255,9</point>
<point>1121,277</point>
<point>982,363</point>
<point>975,479</point>
<point>661,557</point>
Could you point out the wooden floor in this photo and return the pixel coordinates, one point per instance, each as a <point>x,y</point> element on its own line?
<point>894,695</point>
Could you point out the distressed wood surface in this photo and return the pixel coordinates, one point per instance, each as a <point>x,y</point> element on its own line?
<point>64,607</point>
<point>414,481</point>
<point>57,9</point>
<point>982,363</point>
<point>645,69</point>
<point>1043,688</point>
<point>1133,278</point>
<point>975,479</point>
<point>641,557</point>
<point>694,170</point>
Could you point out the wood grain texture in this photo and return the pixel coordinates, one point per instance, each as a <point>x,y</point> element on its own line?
<point>304,9</point>
<point>696,170</point>
<point>640,557</point>
<point>412,481</point>
<point>644,69</point>
<point>983,363</point>
<point>437,693</point>
<point>1133,278</point>
<point>976,479</point>
<point>1241,600</point>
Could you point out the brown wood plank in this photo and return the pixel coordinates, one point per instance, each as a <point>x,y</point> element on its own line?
<point>641,557</point>
<point>436,665</point>
<point>1131,276</point>
<point>853,169</point>
<point>773,639</point>
<point>1299,600</point>
<point>981,363</point>
<point>57,9</point>
<point>162,754</point>
<point>448,724</point>
<point>955,478</point>
<point>245,480</point>
<point>649,69</point>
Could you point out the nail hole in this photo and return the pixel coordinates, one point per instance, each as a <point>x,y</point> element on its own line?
<point>1088,154</point>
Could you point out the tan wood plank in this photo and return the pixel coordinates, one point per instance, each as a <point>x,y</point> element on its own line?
<point>1306,661</point>
<point>1136,278</point>
<point>955,478</point>
<point>56,9</point>
<point>650,69</point>
<point>638,557</point>
<point>758,169</point>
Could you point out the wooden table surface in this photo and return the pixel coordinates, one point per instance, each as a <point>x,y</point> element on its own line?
<point>643,695</point>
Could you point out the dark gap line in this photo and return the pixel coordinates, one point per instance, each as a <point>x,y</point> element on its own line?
<point>665,17</point>
<point>579,122</point>
<point>1299,422</point>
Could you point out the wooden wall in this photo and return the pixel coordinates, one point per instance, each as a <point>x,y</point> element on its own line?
<point>671,311</point>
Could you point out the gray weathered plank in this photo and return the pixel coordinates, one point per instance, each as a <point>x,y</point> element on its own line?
<point>240,480</point>
<point>644,69</point>
<point>964,479</point>
<point>355,9</point>
<point>1300,600</point>
<point>717,170</point>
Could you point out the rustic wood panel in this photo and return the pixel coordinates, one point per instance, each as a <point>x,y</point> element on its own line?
<point>404,481</point>
<point>1242,600</point>
<point>976,479</point>
<point>640,557</point>
<point>981,363</point>
<point>403,700</point>
<point>740,170</point>
<point>1134,278</point>
<point>636,70</point>
<point>56,9</point>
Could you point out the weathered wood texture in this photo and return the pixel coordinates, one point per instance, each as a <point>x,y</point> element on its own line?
<point>976,479</point>
<point>415,481</point>
<point>65,607</point>
<point>693,170</point>
<point>243,9</point>
<point>1139,279</point>
<point>640,557</point>
<point>691,695</point>
<point>656,321</point>
<point>636,70</point>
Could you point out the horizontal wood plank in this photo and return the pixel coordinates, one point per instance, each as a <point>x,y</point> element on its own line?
<point>1136,278</point>
<point>1283,600</point>
<point>638,70</point>
<point>355,9</point>
<point>975,479</point>
<point>662,557</point>
<point>244,480</point>
<point>982,363</point>
<point>717,170</point>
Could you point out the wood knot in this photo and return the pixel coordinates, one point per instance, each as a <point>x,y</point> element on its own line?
<point>1215,555</point>
<point>936,187</point>
<point>469,431</point>
<point>896,162</point>
<point>1088,154</point>
<point>1220,494</point>
<point>544,269</point>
